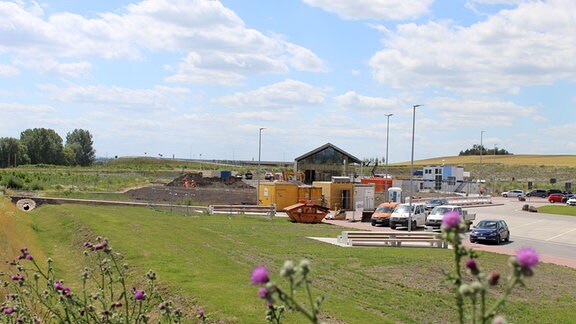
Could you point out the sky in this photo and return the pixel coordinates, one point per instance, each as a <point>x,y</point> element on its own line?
<point>243,80</point>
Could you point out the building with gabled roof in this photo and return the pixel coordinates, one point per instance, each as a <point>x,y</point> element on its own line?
<point>325,162</point>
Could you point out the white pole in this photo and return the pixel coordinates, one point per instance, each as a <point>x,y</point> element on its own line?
<point>412,169</point>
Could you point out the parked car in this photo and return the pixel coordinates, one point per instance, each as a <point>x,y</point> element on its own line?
<point>571,201</point>
<point>568,196</point>
<point>513,193</point>
<point>554,191</point>
<point>555,198</point>
<point>495,230</point>
<point>434,219</point>
<point>248,175</point>
<point>436,202</point>
<point>402,212</point>
<point>537,193</point>
<point>269,176</point>
<point>381,215</point>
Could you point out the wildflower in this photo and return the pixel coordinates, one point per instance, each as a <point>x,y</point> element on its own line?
<point>151,275</point>
<point>262,292</point>
<point>58,285</point>
<point>472,266</point>
<point>8,310</point>
<point>259,275</point>
<point>494,278</point>
<point>139,294</point>
<point>287,269</point>
<point>201,312</point>
<point>527,257</point>
<point>29,257</point>
<point>451,220</point>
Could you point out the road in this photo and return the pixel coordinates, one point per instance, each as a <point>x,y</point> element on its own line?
<point>553,236</point>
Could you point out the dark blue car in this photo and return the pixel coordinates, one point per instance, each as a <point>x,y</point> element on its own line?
<point>493,230</point>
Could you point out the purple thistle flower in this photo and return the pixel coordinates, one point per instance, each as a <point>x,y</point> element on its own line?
<point>58,285</point>
<point>472,266</point>
<point>259,275</point>
<point>8,310</point>
<point>262,292</point>
<point>29,257</point>
<point>494,278</point>
<point>527,257</point>
<point>451,220</point>
<point>201,312</point>
<point>139,294</point>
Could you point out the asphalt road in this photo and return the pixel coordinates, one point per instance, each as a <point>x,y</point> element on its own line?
<point>550,235</point>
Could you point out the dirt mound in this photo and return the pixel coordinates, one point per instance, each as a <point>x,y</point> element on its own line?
<point>201,181</point>
<point>208,191</point>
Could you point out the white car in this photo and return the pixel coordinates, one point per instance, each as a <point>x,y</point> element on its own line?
<point>401,214</point>
<point>513,193</point>
<point>571,202</point>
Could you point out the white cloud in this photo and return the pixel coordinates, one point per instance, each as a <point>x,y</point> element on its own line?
<point>214,40</point>
<point>8,70</point>
<point>354,101</point>
<point>51,67</point>
<point>453,113</point>
<point>7,107</point>
<point>116,97</point>
<point>374,9</point>
<point>288,93</point>
<point>529,45</point>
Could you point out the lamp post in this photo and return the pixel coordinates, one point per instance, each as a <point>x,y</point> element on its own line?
<point>258,171</point>
<point>386,179</point>
<point>480,174</point>
<point>494,171</point>
<point>412,169</point>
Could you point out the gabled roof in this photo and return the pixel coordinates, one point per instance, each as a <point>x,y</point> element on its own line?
<point>325,146</point>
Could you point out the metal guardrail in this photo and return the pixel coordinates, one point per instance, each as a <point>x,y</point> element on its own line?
<point>243,209</point>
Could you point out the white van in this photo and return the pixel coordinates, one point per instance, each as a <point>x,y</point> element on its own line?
<point>400,216</point>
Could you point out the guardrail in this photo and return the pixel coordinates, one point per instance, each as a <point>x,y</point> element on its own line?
<point>242,209</point>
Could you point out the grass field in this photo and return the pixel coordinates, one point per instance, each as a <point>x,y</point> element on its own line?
<point>206,260</point>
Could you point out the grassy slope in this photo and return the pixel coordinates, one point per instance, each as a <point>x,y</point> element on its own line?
<point>207,260</point>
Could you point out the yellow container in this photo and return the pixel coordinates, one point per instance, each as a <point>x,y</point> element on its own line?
<point>337,195</point>
<point>309,193</point>
<point>281,194</point>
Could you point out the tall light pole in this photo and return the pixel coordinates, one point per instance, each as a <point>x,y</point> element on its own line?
<point>258,171</point>
<point>386,179</point>
<point>494,171</point>
<point>480,173</point>
<point>412,168</point>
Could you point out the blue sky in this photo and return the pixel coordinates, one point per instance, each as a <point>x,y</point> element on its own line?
<point>199,78</point>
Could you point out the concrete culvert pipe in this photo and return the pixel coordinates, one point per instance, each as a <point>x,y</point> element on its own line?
<point>26,204</point>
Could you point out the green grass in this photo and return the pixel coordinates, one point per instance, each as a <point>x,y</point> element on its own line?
<point>206,261</point>
<point>558,209</point>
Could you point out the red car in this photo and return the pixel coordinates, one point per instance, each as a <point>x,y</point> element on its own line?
<point>555,198</point>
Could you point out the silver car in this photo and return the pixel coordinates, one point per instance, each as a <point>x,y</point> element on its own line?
<point>513,193</point>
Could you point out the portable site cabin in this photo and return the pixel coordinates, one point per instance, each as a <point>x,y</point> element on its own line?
<point>337,195</point>
<point>283,194</point>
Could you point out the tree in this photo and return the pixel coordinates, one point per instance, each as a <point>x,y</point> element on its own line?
<point>12,152</point>
<point>80,143</point>
<point>44,145</point>
<point>480,149</point>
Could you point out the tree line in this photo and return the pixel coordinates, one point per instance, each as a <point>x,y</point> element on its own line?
<point>480,149</point>
<point>45,146</point>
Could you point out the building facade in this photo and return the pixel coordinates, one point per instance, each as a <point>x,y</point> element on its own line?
<point>325,162</point>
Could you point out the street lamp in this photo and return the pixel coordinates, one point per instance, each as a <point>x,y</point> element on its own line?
<point>258,171</point>
<point>481,149</point>
<point>412,169</point>
<point>386,179</point>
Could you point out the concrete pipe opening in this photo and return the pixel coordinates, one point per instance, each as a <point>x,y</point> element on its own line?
<point>26,204</point>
